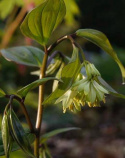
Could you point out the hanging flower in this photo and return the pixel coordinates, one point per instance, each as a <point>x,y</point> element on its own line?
<point>71,98</point>
<point>67,99</point>
<point>84,91</point>
<point>91,92</point>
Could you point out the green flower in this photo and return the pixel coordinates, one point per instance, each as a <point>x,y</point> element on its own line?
<point>84,91</point>
<point>68,101</point>
<point>91,92</point>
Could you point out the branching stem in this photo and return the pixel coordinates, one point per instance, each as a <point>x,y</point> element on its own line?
<point>71,38</point>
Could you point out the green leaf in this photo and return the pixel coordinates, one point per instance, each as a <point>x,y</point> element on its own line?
<point>102,41</point>
<point>23,92</point>
<point>68,75</point>
<point>19,134</point>
<point>46,136</point>
<point>26,55</point>
<point>2,93</point>
<point>72,10</point>
<point>6,137</point>
<point>43,20</point>
<point>110,89</point>
<point>15,146</point>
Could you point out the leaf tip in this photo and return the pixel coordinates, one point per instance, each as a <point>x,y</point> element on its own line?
<point>123,83</point>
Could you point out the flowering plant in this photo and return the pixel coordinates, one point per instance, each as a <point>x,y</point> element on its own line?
<point>71,87</point>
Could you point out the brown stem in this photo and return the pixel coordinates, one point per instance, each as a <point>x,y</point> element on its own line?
<point>70,37</point>
<point>40,106</point>
<point>24,110</point>
<point>9,32</point>
<point>51,47</point>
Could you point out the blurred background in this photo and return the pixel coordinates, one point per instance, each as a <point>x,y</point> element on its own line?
<point>102,132</point>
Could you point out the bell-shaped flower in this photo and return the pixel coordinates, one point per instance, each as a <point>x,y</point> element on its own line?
<point>71,99</point>
<point>84,91</point>
<point>91,91</point>
<point>68,100</point>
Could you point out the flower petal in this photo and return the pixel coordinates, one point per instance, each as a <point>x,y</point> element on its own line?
<point>100,87</point>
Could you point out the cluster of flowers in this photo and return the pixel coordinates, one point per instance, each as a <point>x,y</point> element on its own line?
<point>85,90</point>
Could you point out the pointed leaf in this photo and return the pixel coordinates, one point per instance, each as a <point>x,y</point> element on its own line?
<point>23,92</point>
<point>25,55</point>
<point>15,146</point>
<point>102,41</point>
<point>68,75</point>
<point>19,134</point>
<point>46,136</point>
<point>43,20</point>
<point>6,137</point>
<point>2,93</point>
<point>110,89</point>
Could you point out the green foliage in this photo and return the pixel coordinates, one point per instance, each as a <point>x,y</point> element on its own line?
<point>6,137</point>
<point>26,55</point>
<point>102,41</point>
<point>15,146</point>
<point>46,136</point>
<point>18,134</point>
<point>68,75</point>
<point>23,92</point>
<point>2,93</point>
<point>7,6</point>
<point>71,10</point>
<point>43,20</point>
<point>110,89</point>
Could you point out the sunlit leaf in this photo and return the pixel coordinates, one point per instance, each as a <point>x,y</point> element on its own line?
<point>102,41</point>
<point>6,137</point>
<point>19,134</point>
<point>46,136</point>
<point>68,75</point>
<point>110,89</point>
<point>2,93</point>
<point>43,20</point>
<point>26,55</point>
<point>23,92</point>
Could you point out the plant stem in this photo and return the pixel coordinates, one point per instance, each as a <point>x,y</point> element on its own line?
<point>77,45</point>
<point>51,47</point>
<point>40,106</point>
<point>69,37</point>
<point>24,110</point>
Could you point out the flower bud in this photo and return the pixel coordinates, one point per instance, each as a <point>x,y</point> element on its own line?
<point>91,70</point>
